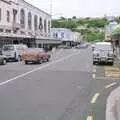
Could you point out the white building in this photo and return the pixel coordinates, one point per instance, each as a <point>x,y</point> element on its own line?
<point>77,37</point>
<point>65,35</point>
<point>62,34</point>
<point>21,22</point>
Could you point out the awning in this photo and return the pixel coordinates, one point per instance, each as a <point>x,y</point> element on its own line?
<point>116,32</point>
<point>48,41</point>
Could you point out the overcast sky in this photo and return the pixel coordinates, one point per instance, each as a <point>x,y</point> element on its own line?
<point>79,8</point>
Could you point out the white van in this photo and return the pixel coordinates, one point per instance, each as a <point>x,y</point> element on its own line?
<point>13,51</point>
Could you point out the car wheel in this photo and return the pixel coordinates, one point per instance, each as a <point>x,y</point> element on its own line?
<point>26,62</point>
<point>40,61</point>
<point>47,59</point>
<point>4,62</point>
<point>94,62</point>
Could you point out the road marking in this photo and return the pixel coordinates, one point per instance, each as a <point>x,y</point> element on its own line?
<point>94,70</point>
<point>110,85</point>
<point>37,69</point>
<point>90,118</point>
<point>94,76</point>
<point>95,97</point>
<point>94,66</point>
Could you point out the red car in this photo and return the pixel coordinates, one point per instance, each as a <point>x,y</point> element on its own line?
<point>36,55</point>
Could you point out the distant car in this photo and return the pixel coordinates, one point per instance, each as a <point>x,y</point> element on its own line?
<point>3,60</point>
<point>93,47</point>
<point>35,55</point>
<point>13,52</point>
<point>103,52</point>
<point>82,46</point>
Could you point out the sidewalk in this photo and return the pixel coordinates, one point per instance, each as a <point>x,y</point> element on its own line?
<point>113,105</point>
<point>117,60</point>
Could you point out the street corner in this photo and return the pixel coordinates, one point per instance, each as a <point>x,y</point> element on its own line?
<point>112,72</point>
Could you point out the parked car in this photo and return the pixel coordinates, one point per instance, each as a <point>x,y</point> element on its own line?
<point>103,52</point>
<point>13,52</point>
<point>35,55</point>
<point>3,60</point>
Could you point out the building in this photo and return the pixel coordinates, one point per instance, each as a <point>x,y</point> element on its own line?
<point>108,30</point>
<point>21,22</point>
<point>115,39</point>
<point>65,35</point>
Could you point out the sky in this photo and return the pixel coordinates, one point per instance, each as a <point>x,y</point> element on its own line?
<point>79,8</point>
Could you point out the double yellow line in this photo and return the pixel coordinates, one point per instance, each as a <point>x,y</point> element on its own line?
<point>90,118</point>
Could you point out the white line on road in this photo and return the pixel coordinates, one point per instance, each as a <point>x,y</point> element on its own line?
<point>110,85</point>
<point>94,70</point>
<point>37,69</point>
<point>95,97</point>
<point>94,76</point>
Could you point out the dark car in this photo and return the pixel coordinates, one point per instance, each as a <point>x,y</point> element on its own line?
<point>103,52</point>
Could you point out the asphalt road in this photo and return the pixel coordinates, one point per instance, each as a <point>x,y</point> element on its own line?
<point>69,87</point>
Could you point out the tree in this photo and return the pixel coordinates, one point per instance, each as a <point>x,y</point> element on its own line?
<point>74,17</point>
<point>93,36</point>
<point>62,18</point>
<point>97,23</point>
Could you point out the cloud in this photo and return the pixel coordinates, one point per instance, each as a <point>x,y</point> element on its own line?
<point>80,8</point>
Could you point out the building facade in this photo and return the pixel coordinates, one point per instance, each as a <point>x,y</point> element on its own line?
<point>21,22</point>
<point>65,35</point>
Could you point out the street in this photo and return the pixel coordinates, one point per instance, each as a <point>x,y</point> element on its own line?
<point>69,87</point>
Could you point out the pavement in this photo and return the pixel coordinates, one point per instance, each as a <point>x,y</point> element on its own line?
<point>68,87</point>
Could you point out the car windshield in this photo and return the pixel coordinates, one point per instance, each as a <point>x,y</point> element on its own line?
<point>103,47</point>
<point>8,48</point>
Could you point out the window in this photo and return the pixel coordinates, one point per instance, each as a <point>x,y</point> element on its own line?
<point>35,22</point>
<point>0,14</point>
<point>8,16</point>
<point>29,21</point>
<point>40,24</point>
<point>1,30</point>
<point>45,26</point>
<point>22,18</point>
<point>8,48</point>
